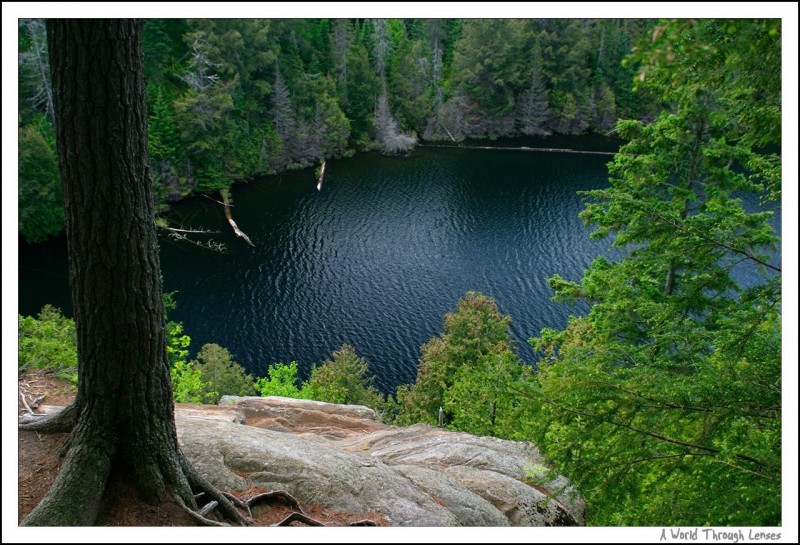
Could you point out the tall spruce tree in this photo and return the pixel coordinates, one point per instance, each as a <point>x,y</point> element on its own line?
<point>664,402</point>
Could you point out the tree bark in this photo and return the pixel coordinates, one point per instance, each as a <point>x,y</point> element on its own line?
<point>123,411</point>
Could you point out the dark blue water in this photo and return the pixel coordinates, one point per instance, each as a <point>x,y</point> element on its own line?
<point>374,260</point>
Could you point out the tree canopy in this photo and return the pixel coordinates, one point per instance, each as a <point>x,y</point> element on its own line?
<point>230,99</point>
<point>664,402</point>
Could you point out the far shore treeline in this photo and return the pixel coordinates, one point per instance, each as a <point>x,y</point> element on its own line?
<point>231,99</point>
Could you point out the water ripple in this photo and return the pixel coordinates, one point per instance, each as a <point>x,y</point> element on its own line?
<point>378,256</point>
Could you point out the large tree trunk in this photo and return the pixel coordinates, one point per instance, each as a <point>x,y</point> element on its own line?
<point>123,412</point>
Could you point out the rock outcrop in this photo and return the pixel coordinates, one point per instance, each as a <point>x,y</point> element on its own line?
<point>342,457</point>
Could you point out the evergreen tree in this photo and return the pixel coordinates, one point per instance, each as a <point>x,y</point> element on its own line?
<point>362,91</point>
<point>34,70</point>
<point>281,381</point>
<point>475,334</point>
<point>122,420</point>
<point>484,399</point>
<point>282,114</point>
<point>410,84</point>
<point>343,379</point>
<point>672,381</point>
<point>341,37</point>
<point>221,375</point>
<point>533,107</point>
<point>331,126</point>
<point>163,140</point>
<point>488,63</point>
<point>41,204</point>
<point>565,54</point>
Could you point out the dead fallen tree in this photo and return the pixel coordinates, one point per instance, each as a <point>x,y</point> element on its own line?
<point>321,176</point>
<point>184,235</point>
<point>236,230</point>
<point>520,148</point>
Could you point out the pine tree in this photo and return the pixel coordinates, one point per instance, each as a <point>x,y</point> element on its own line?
<point>122,420</point>
<point>533,107</point>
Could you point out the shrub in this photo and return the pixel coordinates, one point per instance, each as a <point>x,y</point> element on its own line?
<point>281,380</point>
<point>49,342</point>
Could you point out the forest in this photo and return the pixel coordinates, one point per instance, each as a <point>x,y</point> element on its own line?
<point>663,403</point>
<point>232,99</point>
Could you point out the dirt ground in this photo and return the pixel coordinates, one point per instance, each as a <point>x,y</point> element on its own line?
<point>39,463</point>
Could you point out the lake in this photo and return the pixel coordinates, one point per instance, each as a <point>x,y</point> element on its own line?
<point>375,259</point>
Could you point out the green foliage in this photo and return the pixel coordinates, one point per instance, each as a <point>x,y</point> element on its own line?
<point>488,63</point>
<point>187,382</point>
<point>163,140</point>
<point>362,90</point>
<point>177,343</point>
<point>484,400</point>
<point>343,379</point>
<point>281,380</point>
<point>230,99</point>
<point>663,404</point>
<point>331,124</point>
<point>48,342</point>
<point>475,342</point>
<point>409,85</point>
<point>162,45</point>
<point>533,107</point>
<point>41,205</point>
<point>221,375</point>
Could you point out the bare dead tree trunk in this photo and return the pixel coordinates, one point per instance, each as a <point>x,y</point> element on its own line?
<point>381,49</point>
<point>37,58</point>
<point>342,34</point>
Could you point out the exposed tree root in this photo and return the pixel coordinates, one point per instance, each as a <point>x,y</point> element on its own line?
<point>236,501</point>
<point>226,508</point>
<point>207,508</point>
<point>60,422</point>
<point>299,514</point>
<point>75,497</point>
<point>196,515</point>
<point>299,517</point>
<point>305,519</point>
<point>276,495</point>
<point>33,404</point>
